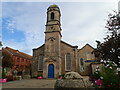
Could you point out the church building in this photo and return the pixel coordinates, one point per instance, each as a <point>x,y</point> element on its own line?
<point>56,57</point>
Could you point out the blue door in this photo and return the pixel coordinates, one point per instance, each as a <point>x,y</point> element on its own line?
<point>51,71</point>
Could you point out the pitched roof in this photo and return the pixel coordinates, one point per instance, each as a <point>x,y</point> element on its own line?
<point>86,45</point>
<point>39,47</point>
<point>17,53</point>
<point>69,44</point>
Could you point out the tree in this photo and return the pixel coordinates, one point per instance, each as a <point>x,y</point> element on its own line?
<point>7,60</point>
<point>110,49</point>
<point>28,69</point>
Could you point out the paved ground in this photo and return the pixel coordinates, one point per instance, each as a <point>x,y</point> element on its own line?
<point>31,83</point>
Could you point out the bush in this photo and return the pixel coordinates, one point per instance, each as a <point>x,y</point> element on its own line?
<point>62,75</point>
<point>10,78</point>
<point>110,78</point>
<point>3,74</point>
<point>39,75</point>
<point>0,75</point>
<point>97,75</point>
<point>19,73</point>
<point>109,75</point>
<point>17,78</point>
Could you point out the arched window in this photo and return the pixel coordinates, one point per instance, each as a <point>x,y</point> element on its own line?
<point>68,62</point>
<point>52,15</point>
<point>81,65</point>
<point>81,61</point>
<point>40,62</point>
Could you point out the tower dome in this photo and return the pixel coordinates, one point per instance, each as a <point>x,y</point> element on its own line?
<point>54,5</point>
<point>53,15</point>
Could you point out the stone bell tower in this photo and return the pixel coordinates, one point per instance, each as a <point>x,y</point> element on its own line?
<point>52,60</point>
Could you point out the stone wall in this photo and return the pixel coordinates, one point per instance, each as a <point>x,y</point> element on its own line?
<point>82,53</point>
<point>68,49</point>
<point>96,66</point>
<point>36,53</point>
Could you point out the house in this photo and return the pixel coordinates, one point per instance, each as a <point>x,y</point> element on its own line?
<point>20,59</point>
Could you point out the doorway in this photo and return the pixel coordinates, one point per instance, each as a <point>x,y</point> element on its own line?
<point>51,71</point>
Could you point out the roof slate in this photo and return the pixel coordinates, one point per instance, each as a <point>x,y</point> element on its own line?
<point>18,53</point>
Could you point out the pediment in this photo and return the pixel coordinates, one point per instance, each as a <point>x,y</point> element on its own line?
<point>51,38</point>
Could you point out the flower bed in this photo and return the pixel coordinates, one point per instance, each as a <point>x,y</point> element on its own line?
<point>10,78</point>
<point>98,82</point>
<point>3,80</point>
<point>109,77</point>
<point>40,77</point>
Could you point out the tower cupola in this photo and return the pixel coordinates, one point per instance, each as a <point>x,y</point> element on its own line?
<point>53,19</point>
<point>53,13</point>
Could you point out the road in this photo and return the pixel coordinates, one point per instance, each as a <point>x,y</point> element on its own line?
<point>30,83</point>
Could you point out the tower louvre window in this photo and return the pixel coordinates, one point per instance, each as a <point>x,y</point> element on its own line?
<point>52,15</point>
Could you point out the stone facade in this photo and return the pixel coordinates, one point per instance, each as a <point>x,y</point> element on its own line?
<point>57,54</point>
<point>86,53</point>
<point>96,67</point>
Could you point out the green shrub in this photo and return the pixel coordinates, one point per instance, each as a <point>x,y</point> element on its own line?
<point>39,75</point>
<point>3,73</point>
<point>110,78</point>
<point>97,75</point>
<point>10,78</point>
<point>62,75</point>
<point>0,74</point>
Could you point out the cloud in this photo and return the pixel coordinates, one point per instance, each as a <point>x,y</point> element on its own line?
<point>10,24</point>
<point>81,22</point>
<point>60,0</point>
<point>85,22</point>
<point>28,20</point>
<point>21,46</point>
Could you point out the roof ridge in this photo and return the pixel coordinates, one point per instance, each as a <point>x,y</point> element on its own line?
<point>18,53</point>
<point>68,44</point>
<point>39,47</point>
<point>85,46</point>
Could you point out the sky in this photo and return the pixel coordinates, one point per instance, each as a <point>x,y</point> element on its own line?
<point>23,23</point>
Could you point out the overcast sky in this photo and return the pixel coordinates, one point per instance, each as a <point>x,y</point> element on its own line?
<point>23,23</point>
